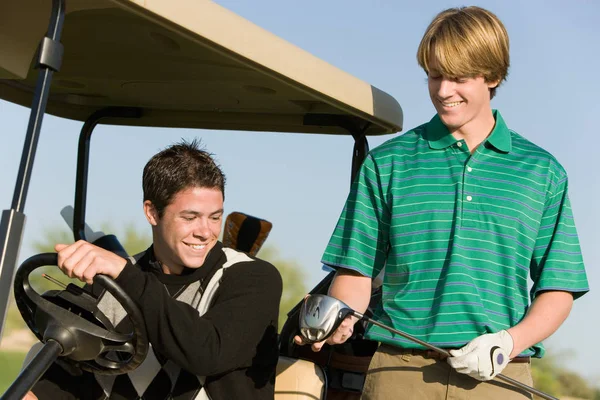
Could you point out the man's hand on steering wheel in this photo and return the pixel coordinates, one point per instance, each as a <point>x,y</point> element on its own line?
<point>83,260</point>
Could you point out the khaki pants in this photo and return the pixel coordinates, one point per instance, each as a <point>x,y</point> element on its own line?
<point>393,375</point>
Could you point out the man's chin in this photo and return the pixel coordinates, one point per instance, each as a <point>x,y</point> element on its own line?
<point>193,258</point>
<point>193,262</point>
<point>451,122</point>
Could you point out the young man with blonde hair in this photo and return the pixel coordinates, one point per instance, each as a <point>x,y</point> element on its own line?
<point>460,211</point>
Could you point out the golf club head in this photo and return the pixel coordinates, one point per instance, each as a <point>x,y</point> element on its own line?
<point>320,316</point>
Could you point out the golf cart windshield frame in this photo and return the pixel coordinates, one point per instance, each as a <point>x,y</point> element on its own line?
<point>359,152</point>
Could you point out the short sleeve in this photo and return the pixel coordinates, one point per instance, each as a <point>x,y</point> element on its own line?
<point>557,263</point>
<point>361,237</point>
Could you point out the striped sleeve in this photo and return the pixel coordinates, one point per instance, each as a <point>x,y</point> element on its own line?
<point>557,263</point>
<point>361,237</point>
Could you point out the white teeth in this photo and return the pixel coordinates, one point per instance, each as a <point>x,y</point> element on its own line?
<point>453,104</point>
<point>197,246</point>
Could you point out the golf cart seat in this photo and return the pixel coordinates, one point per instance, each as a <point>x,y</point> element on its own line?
<point>298,380</point>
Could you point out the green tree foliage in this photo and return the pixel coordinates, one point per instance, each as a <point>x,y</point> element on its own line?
<point>133,240</point>
<point>294,288</point>
<point>550,377</point>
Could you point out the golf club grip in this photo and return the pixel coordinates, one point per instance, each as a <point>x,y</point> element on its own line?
<point>505,378</point>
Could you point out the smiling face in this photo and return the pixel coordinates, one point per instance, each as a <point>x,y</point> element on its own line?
<point>188,229</point>
<point>465,53</point>
<point>463,104</point>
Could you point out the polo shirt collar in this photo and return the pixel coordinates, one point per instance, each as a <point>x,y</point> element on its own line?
<point>500,137</point>
<point>438,136</point>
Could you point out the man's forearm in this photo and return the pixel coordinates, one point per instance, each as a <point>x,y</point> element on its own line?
<point>548,311</point>
<point>352,288</point>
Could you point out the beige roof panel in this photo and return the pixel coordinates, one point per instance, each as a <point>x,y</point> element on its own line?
<point>185,63</point>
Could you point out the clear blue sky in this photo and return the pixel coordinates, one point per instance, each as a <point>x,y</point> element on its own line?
<point>299,182</point>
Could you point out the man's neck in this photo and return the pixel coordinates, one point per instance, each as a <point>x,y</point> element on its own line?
<point>170,270</point>
<point>165,268</point>
<point>476,131</point>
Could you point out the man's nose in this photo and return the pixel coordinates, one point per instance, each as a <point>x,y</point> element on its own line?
<point>446,88</point>
<point>202,229</point>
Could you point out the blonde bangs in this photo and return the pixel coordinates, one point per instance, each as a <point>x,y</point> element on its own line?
<point>465,42</point>
<point>451,57</point>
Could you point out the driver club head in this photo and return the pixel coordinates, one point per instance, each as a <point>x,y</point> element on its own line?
<point>320,316</point>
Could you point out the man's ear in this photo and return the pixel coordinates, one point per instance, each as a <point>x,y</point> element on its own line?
<point>493,84</point>
<point>151,213</point>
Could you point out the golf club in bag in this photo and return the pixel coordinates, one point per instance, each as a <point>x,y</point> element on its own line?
<point>321,315</point>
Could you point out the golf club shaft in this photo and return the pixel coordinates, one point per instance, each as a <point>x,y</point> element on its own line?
<point>444,352</point>
<point>404,335</point>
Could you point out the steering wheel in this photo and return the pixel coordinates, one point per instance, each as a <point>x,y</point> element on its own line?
<point>71,317</point>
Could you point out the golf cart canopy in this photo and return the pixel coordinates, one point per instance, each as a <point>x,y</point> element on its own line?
<point>184,63</point>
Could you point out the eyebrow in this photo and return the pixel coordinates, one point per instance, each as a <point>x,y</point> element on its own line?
<point>192,212</point>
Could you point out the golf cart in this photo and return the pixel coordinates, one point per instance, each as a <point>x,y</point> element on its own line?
<point>163,63</point>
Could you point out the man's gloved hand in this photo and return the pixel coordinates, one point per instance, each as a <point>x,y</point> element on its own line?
<point>483,357</point>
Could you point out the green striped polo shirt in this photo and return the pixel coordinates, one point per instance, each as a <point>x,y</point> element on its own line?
<point>466,240</point>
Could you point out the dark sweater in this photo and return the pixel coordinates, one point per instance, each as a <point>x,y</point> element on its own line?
<point>234,344</point>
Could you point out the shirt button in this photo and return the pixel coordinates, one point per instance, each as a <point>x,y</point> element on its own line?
<point>469,198</point>
<point>469,169</point>
<point>459,144</point>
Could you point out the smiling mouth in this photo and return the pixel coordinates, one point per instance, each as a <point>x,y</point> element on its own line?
<point>196,246</point>
<point>451,104</point>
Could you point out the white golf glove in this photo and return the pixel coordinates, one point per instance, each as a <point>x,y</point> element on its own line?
<point>483,357</point>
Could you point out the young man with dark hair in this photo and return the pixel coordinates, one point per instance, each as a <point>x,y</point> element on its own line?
<point>222,347</point>
<point>456,215</point>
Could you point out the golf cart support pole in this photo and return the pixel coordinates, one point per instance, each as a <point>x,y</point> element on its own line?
<point>359,153</point>
<point>444,352</point>
<point>361,146</point>
<point>33,371</point>
<point>13,220</point>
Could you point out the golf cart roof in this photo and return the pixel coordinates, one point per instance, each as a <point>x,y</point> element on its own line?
<point>185,63</point>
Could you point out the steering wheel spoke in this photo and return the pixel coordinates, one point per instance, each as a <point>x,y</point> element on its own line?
<point>122,348</point>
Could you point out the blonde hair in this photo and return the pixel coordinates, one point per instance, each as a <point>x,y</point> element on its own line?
<point>466,42</point>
